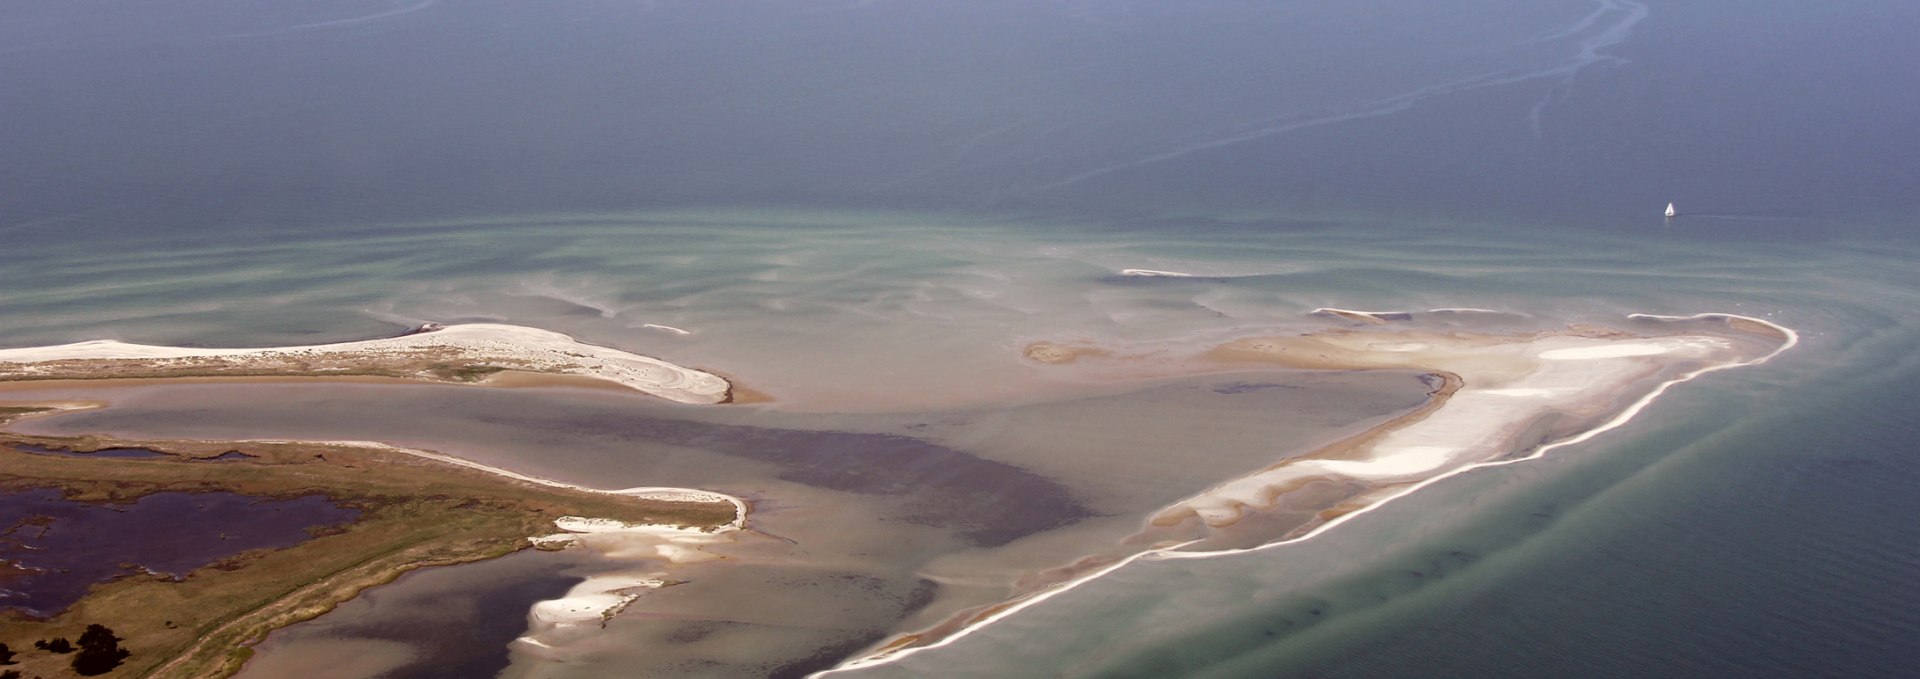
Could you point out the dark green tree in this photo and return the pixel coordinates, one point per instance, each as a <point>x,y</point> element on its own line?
<point>100,651</point>
<point>10,674</point>
<point>98,636</point>
<point>54,645</point>
<point>6,655</point>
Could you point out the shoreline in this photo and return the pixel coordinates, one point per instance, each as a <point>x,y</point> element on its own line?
<point>658,493</point>
<point>1635,348</point>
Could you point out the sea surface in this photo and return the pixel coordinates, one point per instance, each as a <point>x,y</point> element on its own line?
<point>867,209</point>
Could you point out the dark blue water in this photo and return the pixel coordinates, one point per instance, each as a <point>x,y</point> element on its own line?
<point>197,118</point>
<point>1786,560</point>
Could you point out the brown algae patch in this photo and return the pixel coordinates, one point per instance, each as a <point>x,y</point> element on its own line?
<point>1052,353</point>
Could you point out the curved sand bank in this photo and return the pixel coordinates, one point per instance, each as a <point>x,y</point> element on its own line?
<point>458,353</point>
<point>660,493</point>
<point>597,599</point>
<point>589,604</point>
<point>1513,394</point>
<point>1503,399</point>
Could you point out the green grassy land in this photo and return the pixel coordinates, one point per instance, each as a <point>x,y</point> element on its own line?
<point>415,512</point>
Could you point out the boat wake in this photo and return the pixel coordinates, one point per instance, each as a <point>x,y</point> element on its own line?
<point>1624,15</point>
<point>340,23</point>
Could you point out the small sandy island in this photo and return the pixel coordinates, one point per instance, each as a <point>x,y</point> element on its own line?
<point>1496,398</point>
<point>456,353</point>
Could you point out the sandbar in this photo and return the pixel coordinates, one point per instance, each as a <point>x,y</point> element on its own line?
<point>1501,398</point>
<point>455,353</point>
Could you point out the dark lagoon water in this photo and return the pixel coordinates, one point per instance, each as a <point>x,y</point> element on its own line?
<point>866,208</point>
<point>429,624</point>
<point>59,548</point>
<point>119,453</point>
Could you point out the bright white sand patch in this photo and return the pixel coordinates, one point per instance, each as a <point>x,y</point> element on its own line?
<point>594,600</point>
<point>1402,346</point>
<point>1154,272</point>
<point>1525,392</point>
<point>504,346</point>
<point>640,541</point>
<point>598,599</point>
<point>1391,462</point>
<point>1622,350</point>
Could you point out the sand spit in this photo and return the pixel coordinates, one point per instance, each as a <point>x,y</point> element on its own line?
<point>1155,273</point>
<point>661,493</point>
<point>458,353</point>
<point>1510,388</point>
<point>1505,399</point>
<point>588,605</point>
<point>1777,339</point>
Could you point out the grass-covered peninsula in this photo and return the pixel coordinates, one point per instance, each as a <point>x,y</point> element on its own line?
<point>411,511</point>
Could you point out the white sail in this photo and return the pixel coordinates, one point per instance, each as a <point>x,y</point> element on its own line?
<point>1670,211</point>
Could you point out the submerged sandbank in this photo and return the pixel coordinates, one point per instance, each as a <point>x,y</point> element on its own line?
<point>1500,398</point>
<point>457,353</point>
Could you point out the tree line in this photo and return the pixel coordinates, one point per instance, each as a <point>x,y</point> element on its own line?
<point>97,652</point>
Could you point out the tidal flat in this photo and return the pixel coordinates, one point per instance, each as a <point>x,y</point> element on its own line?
<point>877,535</point>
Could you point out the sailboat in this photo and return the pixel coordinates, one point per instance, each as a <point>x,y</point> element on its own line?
<point>1670,212</point>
